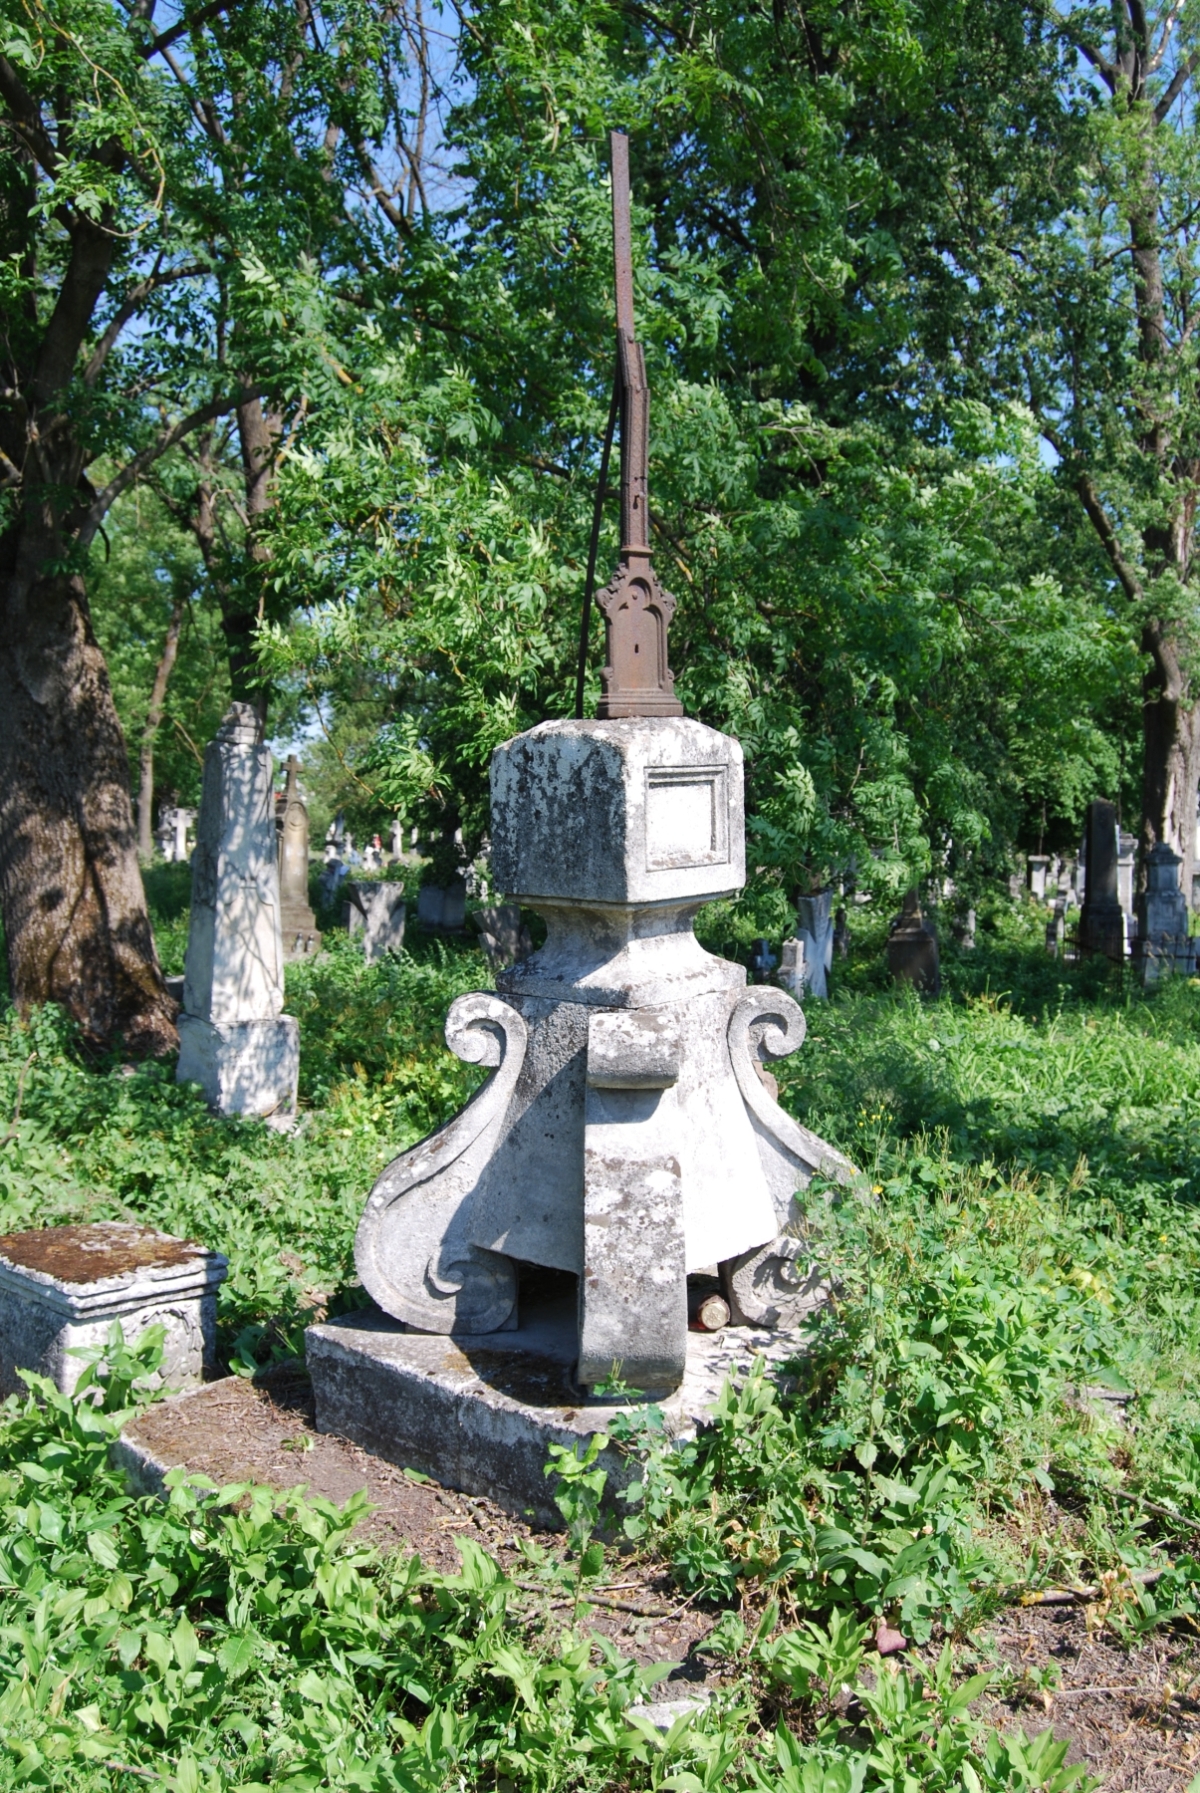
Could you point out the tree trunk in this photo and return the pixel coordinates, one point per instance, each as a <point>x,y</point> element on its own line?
<point>258,433</point>
<point>75,921</point>
<point>1171,753</point>
<point>158,696</point>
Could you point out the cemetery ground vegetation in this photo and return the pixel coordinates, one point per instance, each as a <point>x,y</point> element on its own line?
<point>998,1400</point>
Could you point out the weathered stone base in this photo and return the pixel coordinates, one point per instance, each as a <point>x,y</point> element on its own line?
<point>479,1412</point>
<point>248,1067</point>
<point>61,1288</point>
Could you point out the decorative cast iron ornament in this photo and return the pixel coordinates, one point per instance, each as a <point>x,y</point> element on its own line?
<point>636,681</point>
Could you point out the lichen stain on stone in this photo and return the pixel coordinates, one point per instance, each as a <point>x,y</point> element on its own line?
<point>88,1254</point>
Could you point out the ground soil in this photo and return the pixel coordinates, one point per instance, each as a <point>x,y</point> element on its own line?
<point>236,1431</point>
<point>1132,1716</point>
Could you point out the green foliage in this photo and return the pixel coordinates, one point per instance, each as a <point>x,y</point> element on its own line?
<point>903,1470</point>
<point>232,1639</point>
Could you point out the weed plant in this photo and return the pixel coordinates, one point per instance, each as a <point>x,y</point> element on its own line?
<point>1024,1241</point>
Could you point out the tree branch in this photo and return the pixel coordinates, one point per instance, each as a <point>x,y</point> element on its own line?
<point>1101,64</point>
<point>1102,524</point>
<point>1176,85</point>
<point>127,309</point>
<point>26,117</point>
<point>1168,29</point>
<point>165,39</point>
<point>154,451</point>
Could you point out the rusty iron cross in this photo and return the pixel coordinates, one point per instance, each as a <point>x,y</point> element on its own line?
<point>636,680</point>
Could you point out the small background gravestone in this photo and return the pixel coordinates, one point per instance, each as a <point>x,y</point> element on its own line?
<point>1126,867</point>
<point>1163,942</point>
<point>814,926</point>
<point>1038,864</point>
<point>171,835</point>
<point>503,935</point>
<point>62,1287</point>
<point>912,949</point>
<point>763,961</point>
<point>443,907</point>
<point>234,1040</point>
<point>1102,920</point>
<point>379,910</point>
<point>793,970</point>
<point>297,921</point>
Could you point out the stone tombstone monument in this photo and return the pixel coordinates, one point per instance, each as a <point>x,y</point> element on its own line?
<point>297,921</point>
<point>377,909</point>
<point>841,934</point>
<point>234,1039</point>
<point>443,907</point>
<point>397,839</point>
<point>963,929</point>
<point>1163,940</point>
<point>625,1136</point>
<point>1126,867</point>
<point>61,1288</point>
<point>762,961</point>
<point>1101,920</point>
<point>912,949</point>
<point>814,926</point>
<point>502,934</point>
<point>1038,864</point>
<point>793,968</point>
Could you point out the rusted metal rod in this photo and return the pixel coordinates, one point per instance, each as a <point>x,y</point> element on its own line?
<point>636,680</point>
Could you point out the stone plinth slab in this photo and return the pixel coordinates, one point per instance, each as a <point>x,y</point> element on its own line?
<point>62,1287</point>
<point>479,1412</point>
<point>247,1067</point>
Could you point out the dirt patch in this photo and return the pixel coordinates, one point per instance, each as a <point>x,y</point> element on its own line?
<point>237,1431</point>
<point>1133,1716</point>
<point>88,1254</point>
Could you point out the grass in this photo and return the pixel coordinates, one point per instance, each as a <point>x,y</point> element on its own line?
<point>1027,1225</point>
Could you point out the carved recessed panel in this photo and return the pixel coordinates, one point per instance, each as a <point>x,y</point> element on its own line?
<point>687,817</point>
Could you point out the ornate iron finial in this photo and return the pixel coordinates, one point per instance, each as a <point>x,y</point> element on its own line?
<point>637,680</point>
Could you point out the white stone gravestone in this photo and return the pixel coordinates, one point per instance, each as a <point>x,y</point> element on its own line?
<point>793,968</point>
<point>234,1040</point>
<point>626,1135</point>
<point>814,926</point>
<point>297,922</point>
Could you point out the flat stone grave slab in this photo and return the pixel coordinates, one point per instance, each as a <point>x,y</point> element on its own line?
<point>62,1287</point>
<point>479,1412</point>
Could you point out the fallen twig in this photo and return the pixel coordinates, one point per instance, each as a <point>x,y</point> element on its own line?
<point>1067,1693</point>
<point>1083,1596</point>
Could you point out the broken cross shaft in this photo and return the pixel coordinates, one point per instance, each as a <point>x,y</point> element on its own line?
<point>636,680</point>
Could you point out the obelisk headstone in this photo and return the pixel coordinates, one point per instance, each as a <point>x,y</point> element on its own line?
<point>1101,920</point>
<point>233,1038</point>
<point>299,924</point>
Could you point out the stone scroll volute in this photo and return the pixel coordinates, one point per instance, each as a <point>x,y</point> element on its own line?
<point>768,1023</point>
<point>412,1252</point>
